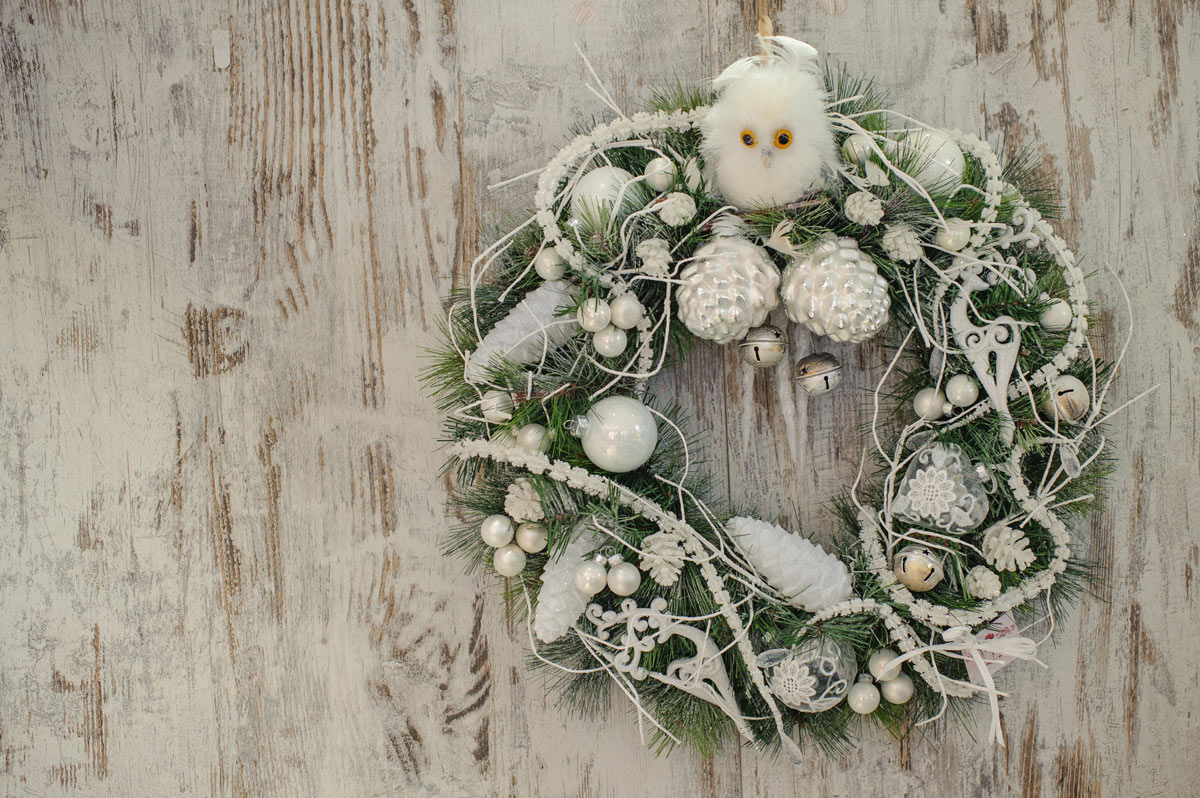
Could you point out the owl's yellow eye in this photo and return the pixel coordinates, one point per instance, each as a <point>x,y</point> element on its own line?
<point>748,138</point>
<point>783,138</point>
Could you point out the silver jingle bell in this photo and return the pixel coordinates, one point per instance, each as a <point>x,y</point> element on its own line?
<point>819,372</point>
<point>918,568</point>
<point>763,346</point>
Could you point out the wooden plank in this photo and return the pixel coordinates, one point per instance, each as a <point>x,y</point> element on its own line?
<point>218,475</point>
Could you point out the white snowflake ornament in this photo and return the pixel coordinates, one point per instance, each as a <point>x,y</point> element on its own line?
<point>983,583</point>
<point>864,208</point>
<point>729,287</point>
<point>1007,548</point>
<point>901,243</point>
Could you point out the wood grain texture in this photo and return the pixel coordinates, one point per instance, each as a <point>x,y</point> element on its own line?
<point>218,477</point>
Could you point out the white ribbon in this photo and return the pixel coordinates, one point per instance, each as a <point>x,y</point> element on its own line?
<point>962,644</point>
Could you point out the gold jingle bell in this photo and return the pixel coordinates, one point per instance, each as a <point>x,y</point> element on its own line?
<point>763,346</point>
<point>819,372</point>
<point>918,568</point>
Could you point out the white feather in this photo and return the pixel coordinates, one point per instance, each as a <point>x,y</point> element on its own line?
<point>763,95</point>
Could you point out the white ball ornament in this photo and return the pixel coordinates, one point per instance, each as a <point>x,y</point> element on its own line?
<point>930,404</point>
<point>1068,399</point>
<point>591,577</point>
<point>898,690</point>
<point>509,560</point>
<point>496,530</point>
<point>863,697</point>
<point>532,536</point>
<point>660,173</point>
<point>594,314</point>
<point>549,265</point>
<point>620,434</point>
<point>1057,316</point>
<point>954,236</point>
<point>857,148</point>
<point>496,406</point>
<point>940,162</point>
<point>533,438</point>
<point>599,190</point>
<point>624,578</point>
<point>610,341</point>
<point>880,659</point>
<point>962,391</point>
<point>626,311</point>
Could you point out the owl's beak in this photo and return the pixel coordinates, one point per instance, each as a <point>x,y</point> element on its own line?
<point>766,159</point>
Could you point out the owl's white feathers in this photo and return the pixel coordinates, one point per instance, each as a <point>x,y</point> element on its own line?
<point>766,96</point>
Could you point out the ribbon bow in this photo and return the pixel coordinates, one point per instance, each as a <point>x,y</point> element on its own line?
<point>962,644</point>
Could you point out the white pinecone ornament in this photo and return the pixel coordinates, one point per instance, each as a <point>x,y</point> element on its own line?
<point>835,291</point>
<point>560,603</point>
<point>982,582</point>
<point>663,557</point>
<point>1007,549</point>
<point>729,287</point>
<point>901,243</point>
<point>864,208</point>
<point>799,569</point>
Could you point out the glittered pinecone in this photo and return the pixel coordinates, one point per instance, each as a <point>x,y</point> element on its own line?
<point>560,603</point>
<point>729,287</point>
<point>799,569</point>
<point>982,582</point>
<point>663,557</point>
<point>835,290</point>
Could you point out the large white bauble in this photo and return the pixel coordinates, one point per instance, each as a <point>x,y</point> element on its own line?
<point>610,341</point>
<point>624,578</point>
<point>626,311</point>
<point>939,160</point>
<point>599,190</point>
<point>729,287</point>
<point>549,265</point>
<point>620,435</point>
<point>767,139</point>
<point>1056,316</point>
<point>509,560</point>
<point>533,438</point>
<point>863,697</point>
<point>532,536</point>
<point>594,314</point>
<point>898,690</point>
<point>962,391</point>
<point>496,530</point>
<point>591,577</point>
<point>877,662</point>
<point>835,290</point>
<point>660,173</point>
<point>496,406</point>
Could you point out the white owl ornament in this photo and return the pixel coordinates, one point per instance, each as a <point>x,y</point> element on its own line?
<point>767,140</point>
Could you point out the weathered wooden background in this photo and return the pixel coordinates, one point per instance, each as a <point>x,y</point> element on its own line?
<point>218,490</point>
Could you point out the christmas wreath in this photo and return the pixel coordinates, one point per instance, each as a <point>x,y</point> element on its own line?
<point>795,184</point>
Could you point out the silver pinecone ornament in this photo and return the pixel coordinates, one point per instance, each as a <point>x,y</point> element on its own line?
<point>729,287</point>
<point>835,290</point>
<point>798,568</point>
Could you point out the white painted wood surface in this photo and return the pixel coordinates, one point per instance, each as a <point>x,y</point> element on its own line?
<point>218,485</point>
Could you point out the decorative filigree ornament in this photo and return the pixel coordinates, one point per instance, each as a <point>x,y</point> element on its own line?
<point>813,677</point>
<point>943,488</point>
